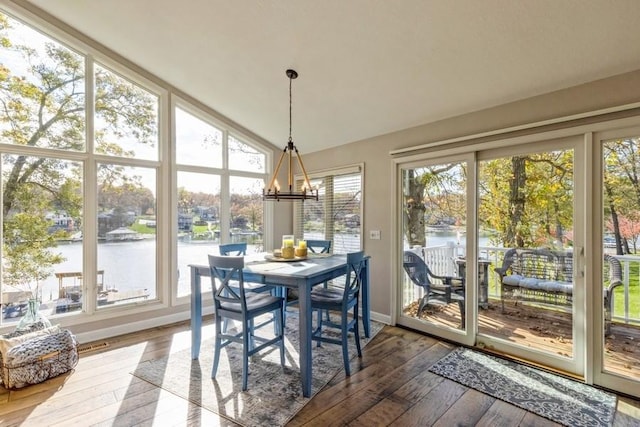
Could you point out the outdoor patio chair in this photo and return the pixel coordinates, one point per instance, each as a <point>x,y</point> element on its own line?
<point>438,290</point>
<point>232,302</point>
<point>342,301</point>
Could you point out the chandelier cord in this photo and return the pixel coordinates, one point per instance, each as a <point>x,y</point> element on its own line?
<point>290,101</point>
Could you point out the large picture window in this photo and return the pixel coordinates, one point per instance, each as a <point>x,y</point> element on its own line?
<point>219,195</point>
<point>89,174</point>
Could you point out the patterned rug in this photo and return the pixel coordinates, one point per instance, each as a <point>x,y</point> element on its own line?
<point>274,393</point>
<point>559,399</point>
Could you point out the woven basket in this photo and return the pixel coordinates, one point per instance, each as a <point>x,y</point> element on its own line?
<point>38,359</point>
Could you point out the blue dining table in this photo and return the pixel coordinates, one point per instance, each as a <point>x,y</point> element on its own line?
<point>302,275</point>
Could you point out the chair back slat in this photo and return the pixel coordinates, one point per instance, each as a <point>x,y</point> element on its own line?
<point>233,249</point>
<point>226,279</point>
<point>355,264</point>
<point>319,246</point>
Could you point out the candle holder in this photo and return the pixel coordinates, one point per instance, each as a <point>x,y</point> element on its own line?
<point>288,251</point>
<point>301,249</point>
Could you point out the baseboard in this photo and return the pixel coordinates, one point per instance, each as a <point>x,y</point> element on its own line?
<point>106,333</point>
<point>382,318</point>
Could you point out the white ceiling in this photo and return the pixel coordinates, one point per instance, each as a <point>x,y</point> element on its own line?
<point>367,67</point>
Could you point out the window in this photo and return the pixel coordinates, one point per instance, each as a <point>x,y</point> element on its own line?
<point>46,154</point>
<point>337,214</point>
<point>214,204</point>
<point>89,175</point>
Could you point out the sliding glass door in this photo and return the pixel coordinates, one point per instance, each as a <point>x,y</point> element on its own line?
<point>617,225</point>
<point>528,247</point>
<point>491,250</point>
<point>434,220</point>
<point>532,241</point>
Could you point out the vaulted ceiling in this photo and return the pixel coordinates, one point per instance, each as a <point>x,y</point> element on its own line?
<point>367,67</point>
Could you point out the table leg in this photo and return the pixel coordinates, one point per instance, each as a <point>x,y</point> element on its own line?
<point>304,302</point>
<point>366,309</point>
<point>196,312</point>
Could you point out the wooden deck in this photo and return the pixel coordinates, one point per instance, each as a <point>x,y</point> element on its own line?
<point>547,330</point>
<point>390,386</point>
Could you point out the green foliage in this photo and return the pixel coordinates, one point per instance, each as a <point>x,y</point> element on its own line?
<point>527,202</point>
<point>27,243</point>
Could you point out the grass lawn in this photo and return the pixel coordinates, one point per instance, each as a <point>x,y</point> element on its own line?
<point>634,294</point>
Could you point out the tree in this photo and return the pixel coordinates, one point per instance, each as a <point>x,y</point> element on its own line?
<point>528,200</point>
<point>622,185</point>
<point>441,189</point>
<point>43,101</point>
<point>27,243</point>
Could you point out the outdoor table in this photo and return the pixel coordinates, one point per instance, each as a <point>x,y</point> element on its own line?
<point>483,279</point>
<point>301,275</point>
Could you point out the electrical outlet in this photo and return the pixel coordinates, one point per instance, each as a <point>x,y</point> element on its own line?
<point>374,234</point>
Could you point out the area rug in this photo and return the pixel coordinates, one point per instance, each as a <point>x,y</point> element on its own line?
<point>274,393</point>
<point>559,399</point>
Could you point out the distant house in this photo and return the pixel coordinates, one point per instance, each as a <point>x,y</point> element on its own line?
<point>185,222</point>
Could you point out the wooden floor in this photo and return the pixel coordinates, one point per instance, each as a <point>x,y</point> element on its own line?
<point>390,386</point>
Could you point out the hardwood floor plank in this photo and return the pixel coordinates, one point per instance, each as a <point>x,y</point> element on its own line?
<point>431,407</point>
<point>467,410</point>
<point>501,414</point>
<point>532,420</point>
<point>362,401</point>
<point>382,413</point>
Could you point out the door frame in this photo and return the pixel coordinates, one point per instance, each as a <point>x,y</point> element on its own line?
<point>464,336</point>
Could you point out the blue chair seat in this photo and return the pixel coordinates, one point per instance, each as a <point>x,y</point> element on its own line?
<point>328,295</point>
<point>240,249</point>
<point>255,303</point>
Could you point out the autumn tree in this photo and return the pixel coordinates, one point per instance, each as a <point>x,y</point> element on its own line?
<point>44,105</point>
<point>436,194</point>
<point>528,200</point>
<point>621,160</point>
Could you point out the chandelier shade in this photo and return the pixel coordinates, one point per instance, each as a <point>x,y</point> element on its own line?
<point>273,191</point>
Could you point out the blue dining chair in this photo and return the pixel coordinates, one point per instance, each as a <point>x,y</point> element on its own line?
<point>240,249</point>
<point>320,247</point>
<point>342,301</point>
<point>232,302</point>
<point>316,247</point>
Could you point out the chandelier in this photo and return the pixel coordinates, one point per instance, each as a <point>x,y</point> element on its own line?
<point>273,192</point>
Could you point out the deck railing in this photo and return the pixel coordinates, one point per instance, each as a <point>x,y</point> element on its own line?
<point>442,261</point>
